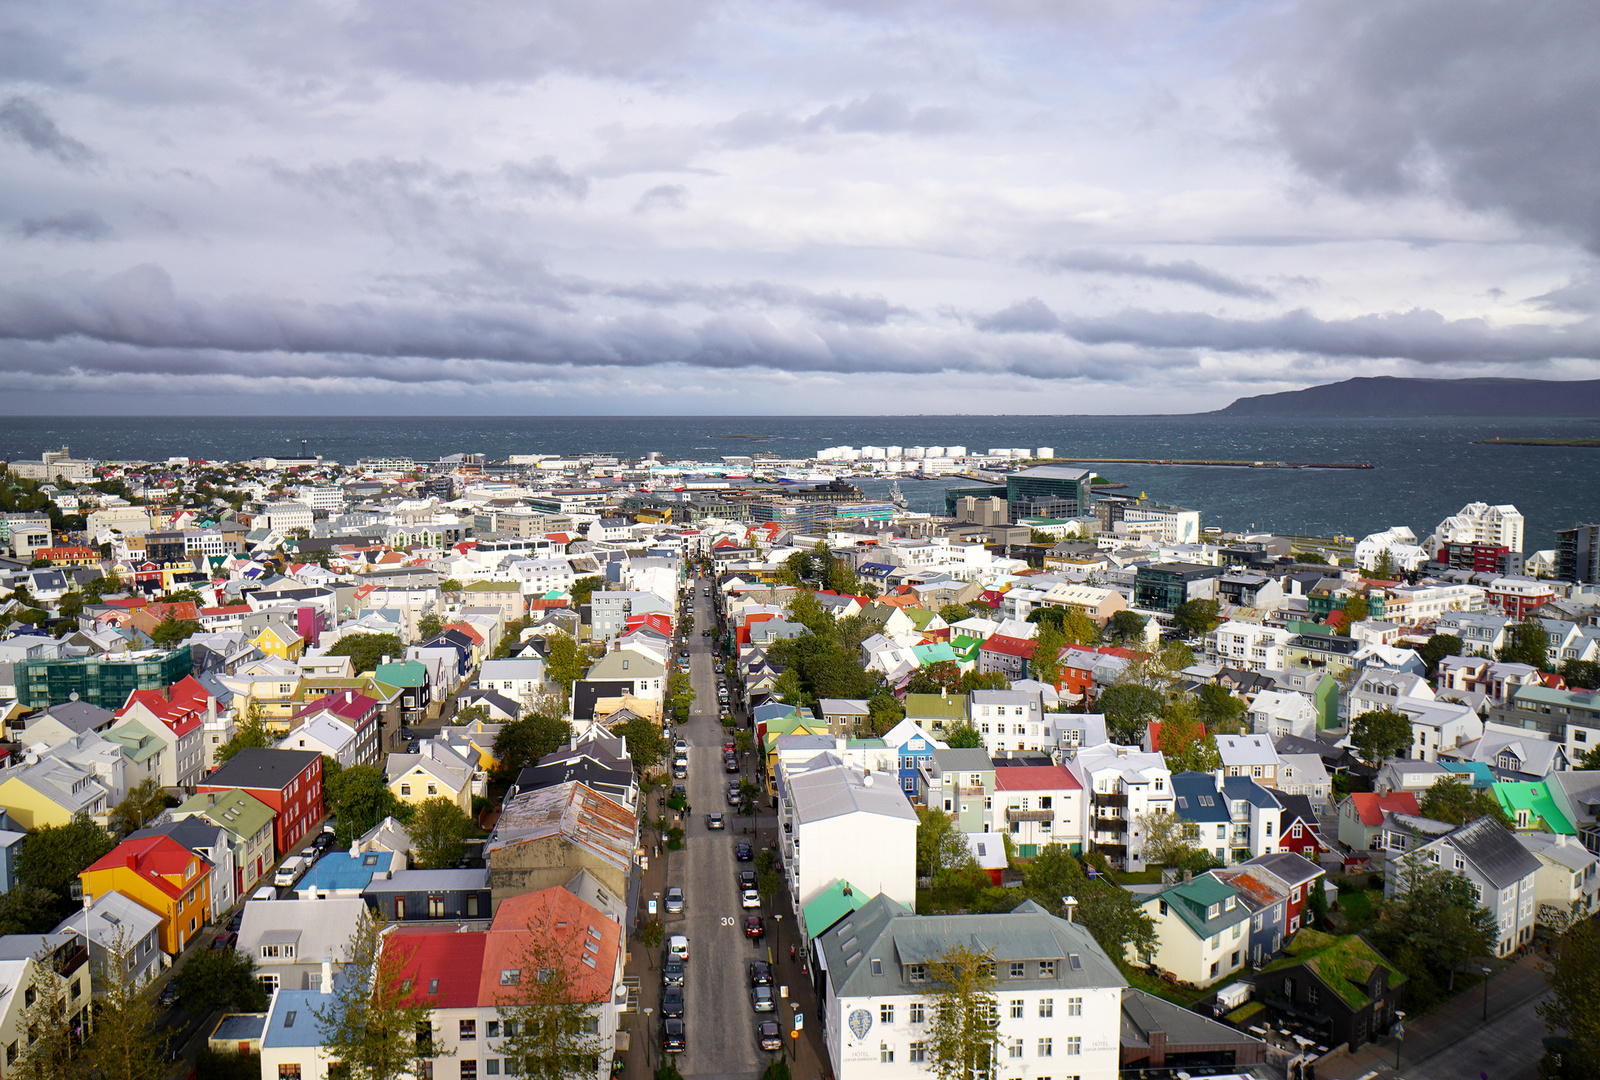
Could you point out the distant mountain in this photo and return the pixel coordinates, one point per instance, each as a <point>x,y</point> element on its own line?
<point>1389,396</point>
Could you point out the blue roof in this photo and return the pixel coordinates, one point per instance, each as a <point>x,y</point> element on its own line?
<point>1242,787</point>
<point>293,1019</point>
<point>1478,772</point>
<point>339,871</point>
<point>1189,788</point>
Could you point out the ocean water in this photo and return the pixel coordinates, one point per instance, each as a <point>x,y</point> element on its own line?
<point>1423,469</point>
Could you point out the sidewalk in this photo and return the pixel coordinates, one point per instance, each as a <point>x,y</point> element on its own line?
<point>644,964</point>
<point>808,1057</point>
<point>1510,988</point>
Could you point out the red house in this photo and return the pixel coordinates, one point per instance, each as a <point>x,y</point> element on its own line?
<point>289,781</point>
<point>1301,831</point>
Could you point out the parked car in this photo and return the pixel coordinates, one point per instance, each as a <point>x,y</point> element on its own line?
<point>768,1037</point>
<point>749,898</point>
<point>747,879</point>
<point>730,763</point>
<point>678,948</point>
<point>672,1002</point>
<point>673,1040</point>
<point>290,870</point>
<point>672,973</point>
<point>224,940</point>
<point>754,927</point>
<point>733,793</point>
<point>743,852</point>
<point>761,998</point>
<point>323,842</point>
<point>236,921</point>
<point>760,973</point>
<point>680,772</point>
<point>716,821</point>
<point>674,901</point>
<point>169,995</point>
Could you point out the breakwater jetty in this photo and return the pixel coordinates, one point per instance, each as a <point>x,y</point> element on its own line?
<point>1213,461</point>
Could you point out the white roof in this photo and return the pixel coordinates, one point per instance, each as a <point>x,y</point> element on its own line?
<point>1246,750</point>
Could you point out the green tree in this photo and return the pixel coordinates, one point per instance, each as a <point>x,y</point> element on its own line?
<point>48,1049</point>
<point>25,909</point>
<point>1168,838</point>
<point>1222,713</point>
<point>125,1043</point>
<point>1046,663</point>
<point>954,613</point>
<point>884,711</point>
<point>1527,643</point>
<point>939,846</point>
<point>1581,674</point>
<point>964,737</point>
<point>1438,647</point>
<point>521,743</point>
<point>360,798</point>
<point>143,802</point>
<point>1124,627</point>
<point>1383,566</point>
<point>1431,926</point>
<point>169,632</point>
<point>584,588</point>
<point>564,661</point>
<point>438,832</point>
<point>807,610</point>
<point>1184,741</point>
<point>429,626</point>
<point>53,856</point>
<point>1196,617</point>
<point>225,979</point>
<point>450,585</point>
<point>1317,904</point>
<point>1380,735</point>
<point>366,651</point>
<point>1078,629</point>
<point>963,1033</point>
<point>944,675</point>
<point>376,1023</point>
<point>1574,974</point>
<point>469,715</point>
<point>1589,759</point>
<point>1355,610</point>
<point>1457,802</point>
<point>983,680</point>
<point>550,1023</point>
<point>1109,912</point>
<point>680,694</point>
<point>1128,708</point>
<point>182,595</point>
<point>251,731</point>
<point>646,744</point>
<point>70,606</point>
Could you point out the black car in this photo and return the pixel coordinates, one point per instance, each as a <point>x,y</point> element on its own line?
<point>730,764</point>
<point>760,973</point>
<point>672,1037</point>
<point>744,852</point>
<point>768,1037</point>
<point>236,922</point>
<point>672,1002</point>
<point>323,842</point>
<point>169,995</point>
<point>747,879</point>
<point>672,973</point>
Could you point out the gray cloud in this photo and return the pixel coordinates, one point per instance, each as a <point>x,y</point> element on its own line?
<point>878,113</point>
<point>1492,102</point>
<point>1186,272</point>
<point>543,176</point>
<point>70,225</point>
<point>662,197</point>
<point>22,120</point>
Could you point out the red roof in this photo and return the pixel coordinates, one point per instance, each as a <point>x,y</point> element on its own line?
<point>467,629</point>
<point>347,705</point>
<point>1009,646</point>
<point>1153,734</point>
<point>1372,806</point>
<point>587,939</point>
<point>1035,778</point>
<point>178,609</point>
<point>454,959</point>
<point>230,609</point>
<point>154,858</point>
<point>181,706</point>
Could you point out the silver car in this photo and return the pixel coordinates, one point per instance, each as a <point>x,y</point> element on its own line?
<point>674,901</point>
<point>761,998</point>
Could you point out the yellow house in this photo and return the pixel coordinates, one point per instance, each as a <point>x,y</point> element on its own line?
<point>160,875</point>
<point>792,724</point>
<point>279,641</point>
<point>436,771</point>
<point>50,791</point>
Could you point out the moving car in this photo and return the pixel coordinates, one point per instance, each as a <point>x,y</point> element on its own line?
<point>743,852</point>
<point>678,948</point>
<point>672,1002</point>
<point>674,901</point>
<point>716,821</point>
<point>672,1037</point>
<point>754,927</point>
<point>761,998</point>
<point>768,1037</point>
<point>760,973</point>
<point>672,973</point>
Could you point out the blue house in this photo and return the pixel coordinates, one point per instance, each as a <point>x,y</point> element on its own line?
<point>1267,900</point>
<point>914,747</point>
<point>344,873</point>
<point>1197,801</point>
<point>10,846</point>
<point>422,895</point>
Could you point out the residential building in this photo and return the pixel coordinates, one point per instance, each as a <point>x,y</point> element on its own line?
<point>1010,720</point>
<point>912,745</point>
<point>1502,871</point>
<point>937,714</point>
<point>162,876</point>
<point>248,822</point>
<point>213,844</point>
<point>1249,755</point>
<point>287,782</point>
<point>521,679</point>
<point>346,726</point>
<point>49,791</point>
<point>1340,986</point>
<point>1578,554</point>
<point>1037,805</point>
<point>844,716</point>
<point>1566,879</point>
<point>293,942</point>
<point>544,837</point>
<point>1361,816</point>
<point>20,955</point>
<point>1518,597</point>
<point>1199,930</point>
<point>437,770</point>
<point>419,895</point>
<point>1165,587</point>
<point>1123,784</point>
<point>961,783</point>
<point>1480,523</point>
<point>1248,646</point>
<point>113,924</point>
<point>178,714</point>
<point>1276,713</point>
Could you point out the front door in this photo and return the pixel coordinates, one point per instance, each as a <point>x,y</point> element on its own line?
<point>399,908</point>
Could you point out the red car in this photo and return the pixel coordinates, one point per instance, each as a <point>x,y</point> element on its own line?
<point>730,747</point>
<point>753,927</point>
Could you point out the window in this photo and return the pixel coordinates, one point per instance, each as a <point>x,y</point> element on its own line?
<point>510,976</point>
<point>435,907</point>
<point>1046,1047</point>
<point>289,1072</point>
<point>491,1067</point>
<point>885,1054</point>
<point>1015,1048</point>
<point>1047,1008</point>
<point>1314,994</point>
<point>1074,1045</point>
<point>1074,1006</point>
<point>885,1014</point>
<point>405,789</point>
<point>1047,969</point>
<point>491,1029</point>
<point>919,1052</point>
<point>1016,1009</point>
<point>472,906</point>
<point>1018,969</point>
<point>918,1013</point>
<point>469,1030</point>
<point>469,1070</point>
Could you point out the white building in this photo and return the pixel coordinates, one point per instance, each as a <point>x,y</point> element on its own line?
<point>521,680</point>
<point>282,516</point>
<point>1060,996</point>
<point>1037,805</point>
<point>1276,713</point>
<point>1480,523</point>
<point>1401,544</point>
<point>1122,784</point>
<point>1567,878</point>
<point>1248,646</point>
<point>1010,720</point>
<point>1420,603</point>
<point>841,824</point>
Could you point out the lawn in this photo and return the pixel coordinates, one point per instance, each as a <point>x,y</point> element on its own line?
<point>1150,984</point>
<point>1359,905</point>
<point>1143,877</point>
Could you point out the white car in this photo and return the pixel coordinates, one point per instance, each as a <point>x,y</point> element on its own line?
<point>749,898</point>
<point>678,947</point>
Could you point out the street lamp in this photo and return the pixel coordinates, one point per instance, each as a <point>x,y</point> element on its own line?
<point>1399,1035</point>
<point>1486,973</point>
<point>649,1039</point>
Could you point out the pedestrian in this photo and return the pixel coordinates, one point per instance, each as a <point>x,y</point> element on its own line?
<point>791,952</point>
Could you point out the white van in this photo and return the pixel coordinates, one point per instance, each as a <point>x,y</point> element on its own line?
<point>678,947</point>
<point>266,892</point>
<point>290,871</point>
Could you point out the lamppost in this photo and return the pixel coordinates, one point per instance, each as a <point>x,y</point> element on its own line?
<point>1399,1035</point>
<point>1486,973</point>
<point>649,1040</point>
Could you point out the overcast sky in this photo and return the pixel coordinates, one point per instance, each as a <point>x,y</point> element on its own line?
<point>881,206</point>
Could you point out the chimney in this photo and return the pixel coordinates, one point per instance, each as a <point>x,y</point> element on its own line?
<point>327,975</point>
<point>1188,877</point>
<point>385,660</point>
<point>349,696</point>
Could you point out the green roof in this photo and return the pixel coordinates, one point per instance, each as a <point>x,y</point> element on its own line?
<point>1344,963</point>
<point>138,742</point>
<point>402,673</point>
<point>237,810</point>
<point>786,725</point>
<point>953,707</point>
<point>937,653</point>
<point>965,646</point>
<point>920,617</point>
<point>492,586</point>
<point>831,905</point>
<point>1533,796</point>
<point>864,744</point>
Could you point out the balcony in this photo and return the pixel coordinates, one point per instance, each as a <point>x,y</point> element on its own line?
<point>1113,798</point>
<point>1016,814</point>
<point>971,790</point>
<point>1110,825</point>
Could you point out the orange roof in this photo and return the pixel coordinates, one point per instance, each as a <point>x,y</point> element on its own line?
<point>586,939</point>
<point>477,638</point>
<point>1372,806</point>
<point>157,859</point>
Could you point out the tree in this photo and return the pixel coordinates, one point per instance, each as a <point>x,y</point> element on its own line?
<point>25,909</point>
<point>125,1044</point>
<point>252,731</point>
<point>1457,802</point>
<point>1383,566</point>
<point>1590,759</point>
<point>366,651</point>
<point>522,743</point>
<point>954,613</point>
<point>1078,629</point>
<point>680,695</point>
<point>224,979</point>
<point>1355,610</point>
<point>1432,925</point>
<point>1317,904</point>
<point>143,802</point>
<point>1046,663</point>
<point>939,846</point>
<point>1438,647</point>
<point>884,711</point>
<point>47,1050</point>
<point>564,661</point>
<point>963,1030</point>
<point>983,680</point>
<point>53,856</point>
<point>1527,643</point>
<point>1184,741</point>
<point>1109,912</point>
<point>429,626</point>
<point>360,798</point>
<point>438,833</point>
<point>1581,674</point>
<point>1380,734</point>
<point>584,588</point>
<point>646,744</point>
<point>944,675</point>
<point>807,610</point>
<point>1222,713</point>
<point>1196,617</point>
<point>1574,974</point>
<point>1128,707</point>
<point>450,585</point>
<point>172,630</point>
<point>550,1024</point>
<point>378,1023</point>
<point>470,714</point>
<point>964,737</point>
<point>1168,838</point>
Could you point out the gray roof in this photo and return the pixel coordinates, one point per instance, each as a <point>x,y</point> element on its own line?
<point>963,760</point>
<point>79,716</point>
<point>320,928</point>
<point>832,792</point>
<point>1491,848</point>
<point>432,881</point>
<point>883,931</point>
<point>1144,1014</point>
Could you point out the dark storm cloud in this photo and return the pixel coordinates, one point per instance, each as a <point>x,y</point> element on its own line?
<point>874,114</point>
<point>1187,271</point>
<point>23,121</point>
<point>70,225</point>
<point>1492,102</point>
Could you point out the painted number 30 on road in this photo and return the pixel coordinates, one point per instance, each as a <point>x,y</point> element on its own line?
<point>727,920</point>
